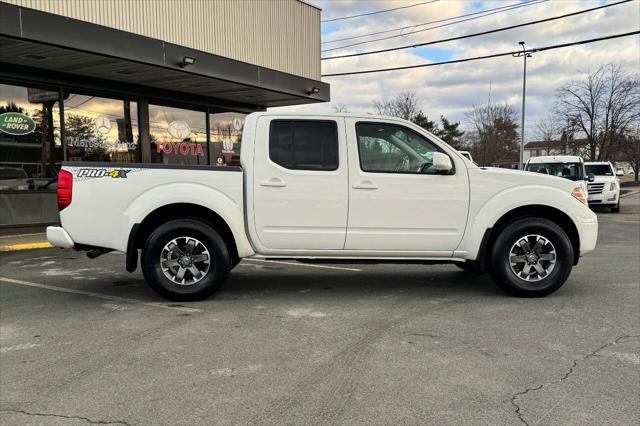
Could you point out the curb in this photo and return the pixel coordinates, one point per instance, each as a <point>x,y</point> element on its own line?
<point>26,246</point>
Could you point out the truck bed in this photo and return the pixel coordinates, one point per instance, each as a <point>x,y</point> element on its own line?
<point>108,199</point>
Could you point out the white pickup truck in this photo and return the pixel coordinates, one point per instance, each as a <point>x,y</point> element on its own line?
<point>321,188</point>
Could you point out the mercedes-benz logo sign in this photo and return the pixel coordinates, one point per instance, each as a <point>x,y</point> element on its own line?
<point>103,124</point>
<point>179,129</point>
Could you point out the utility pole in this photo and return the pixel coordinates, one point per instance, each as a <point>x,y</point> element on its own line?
<point>525,55</point>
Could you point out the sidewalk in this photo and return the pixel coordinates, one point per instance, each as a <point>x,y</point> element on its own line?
<point>24,242</point>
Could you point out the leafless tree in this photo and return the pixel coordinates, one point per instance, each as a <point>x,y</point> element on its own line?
<point>602,107</point>
<point>629,149</point>
<point>494,132</point>
<point>340,107</point>
<point>548,131</point>
<point>405,105</point>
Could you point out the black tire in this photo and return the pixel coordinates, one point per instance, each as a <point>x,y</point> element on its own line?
<point>234,263</point>
<point>219,264</point>
<point>504,276</point>
<point>616,209</point>
<point>470,266</point>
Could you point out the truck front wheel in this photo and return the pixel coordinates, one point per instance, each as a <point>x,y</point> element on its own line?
<point>531,257</point>
<point>185,260</point>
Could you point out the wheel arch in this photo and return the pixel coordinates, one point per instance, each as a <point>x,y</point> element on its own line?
<point>141,231</point>
<point>532,210</point>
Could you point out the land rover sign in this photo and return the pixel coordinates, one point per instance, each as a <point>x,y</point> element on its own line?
<point>15,123</point>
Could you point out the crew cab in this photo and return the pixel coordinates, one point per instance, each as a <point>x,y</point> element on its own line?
<point>322,188</point>
<point>604,186</point>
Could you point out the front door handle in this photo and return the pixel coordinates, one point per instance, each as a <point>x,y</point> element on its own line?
<point>365,184</point>
<point>273,183</point>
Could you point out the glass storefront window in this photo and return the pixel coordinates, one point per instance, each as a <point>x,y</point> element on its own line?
<point>30,144</point>
<point>101,129</point>
<point>178,136</point>
<point>226,137</point>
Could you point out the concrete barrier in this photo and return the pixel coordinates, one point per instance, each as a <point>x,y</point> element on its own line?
<point>28,208</point>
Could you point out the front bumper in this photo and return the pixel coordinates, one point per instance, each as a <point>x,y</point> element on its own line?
<point>59,237</point>
<point>604,198</point>
<point>588,231</point>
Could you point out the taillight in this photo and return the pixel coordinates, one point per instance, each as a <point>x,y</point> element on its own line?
<point>65,189</point>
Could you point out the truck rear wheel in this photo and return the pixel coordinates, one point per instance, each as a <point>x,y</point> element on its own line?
<point>531,257</point>
<point>185,260</point>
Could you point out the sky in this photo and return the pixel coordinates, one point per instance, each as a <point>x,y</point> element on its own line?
<point>451,90</point>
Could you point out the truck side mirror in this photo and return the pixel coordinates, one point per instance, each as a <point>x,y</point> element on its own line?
<point>591,177</point>
<point>442,162</point>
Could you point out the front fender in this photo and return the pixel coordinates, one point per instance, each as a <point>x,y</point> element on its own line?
<point>484,214</point>
<point>230,210</point>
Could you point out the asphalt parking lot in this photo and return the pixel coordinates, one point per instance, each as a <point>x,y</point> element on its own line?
<point>82,341</point>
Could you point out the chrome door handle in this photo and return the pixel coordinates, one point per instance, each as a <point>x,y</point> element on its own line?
<point>365,184</point>
<point>273,183</point>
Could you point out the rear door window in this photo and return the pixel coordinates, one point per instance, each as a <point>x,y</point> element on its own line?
<point>304,144</point>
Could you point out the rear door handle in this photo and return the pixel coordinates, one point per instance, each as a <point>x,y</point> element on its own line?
<point>273,182</point>
<point>365,184</point>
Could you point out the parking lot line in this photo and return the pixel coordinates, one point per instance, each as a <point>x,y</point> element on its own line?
<point>101,296</point>
<point>628,194</point>
<point>340,268</point>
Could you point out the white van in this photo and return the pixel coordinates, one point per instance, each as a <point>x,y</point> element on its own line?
<point>565,166</point>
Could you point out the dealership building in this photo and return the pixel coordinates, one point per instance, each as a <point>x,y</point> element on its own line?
<point>130,81</point>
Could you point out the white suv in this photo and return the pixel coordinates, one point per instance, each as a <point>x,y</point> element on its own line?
<point>604,190</point>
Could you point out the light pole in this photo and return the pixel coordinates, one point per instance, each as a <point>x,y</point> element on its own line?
<point>525,55</point>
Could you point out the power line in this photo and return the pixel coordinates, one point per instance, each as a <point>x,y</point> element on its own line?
<point>511,7</point>
<point>539,21</point>
<point>378,11</point>
<point>498,9</point>
<point>495,55</point>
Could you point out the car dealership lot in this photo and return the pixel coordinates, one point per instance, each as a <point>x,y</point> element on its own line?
<point>84,341</point>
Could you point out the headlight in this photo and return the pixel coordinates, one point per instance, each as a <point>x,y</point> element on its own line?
<point>613,187</point>
<point>578,194</point>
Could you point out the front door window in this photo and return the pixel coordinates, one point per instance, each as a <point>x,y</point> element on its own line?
<point>386,148</point>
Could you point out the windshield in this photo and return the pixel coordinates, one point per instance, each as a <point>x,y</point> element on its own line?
<point>571,171</point>
<point>599,169</point>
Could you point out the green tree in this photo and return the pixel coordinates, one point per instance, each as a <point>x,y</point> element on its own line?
<point>451,133</point>
<point>423,121</point>
<point>447,131</point>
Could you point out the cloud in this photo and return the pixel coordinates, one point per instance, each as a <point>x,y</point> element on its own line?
<point>452,89</point>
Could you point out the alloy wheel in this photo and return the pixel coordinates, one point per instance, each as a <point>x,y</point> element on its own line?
<point>185,260</point>
<point>532,257</point>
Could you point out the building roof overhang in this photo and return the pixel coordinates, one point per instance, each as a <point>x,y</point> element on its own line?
<point>37,42</point>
